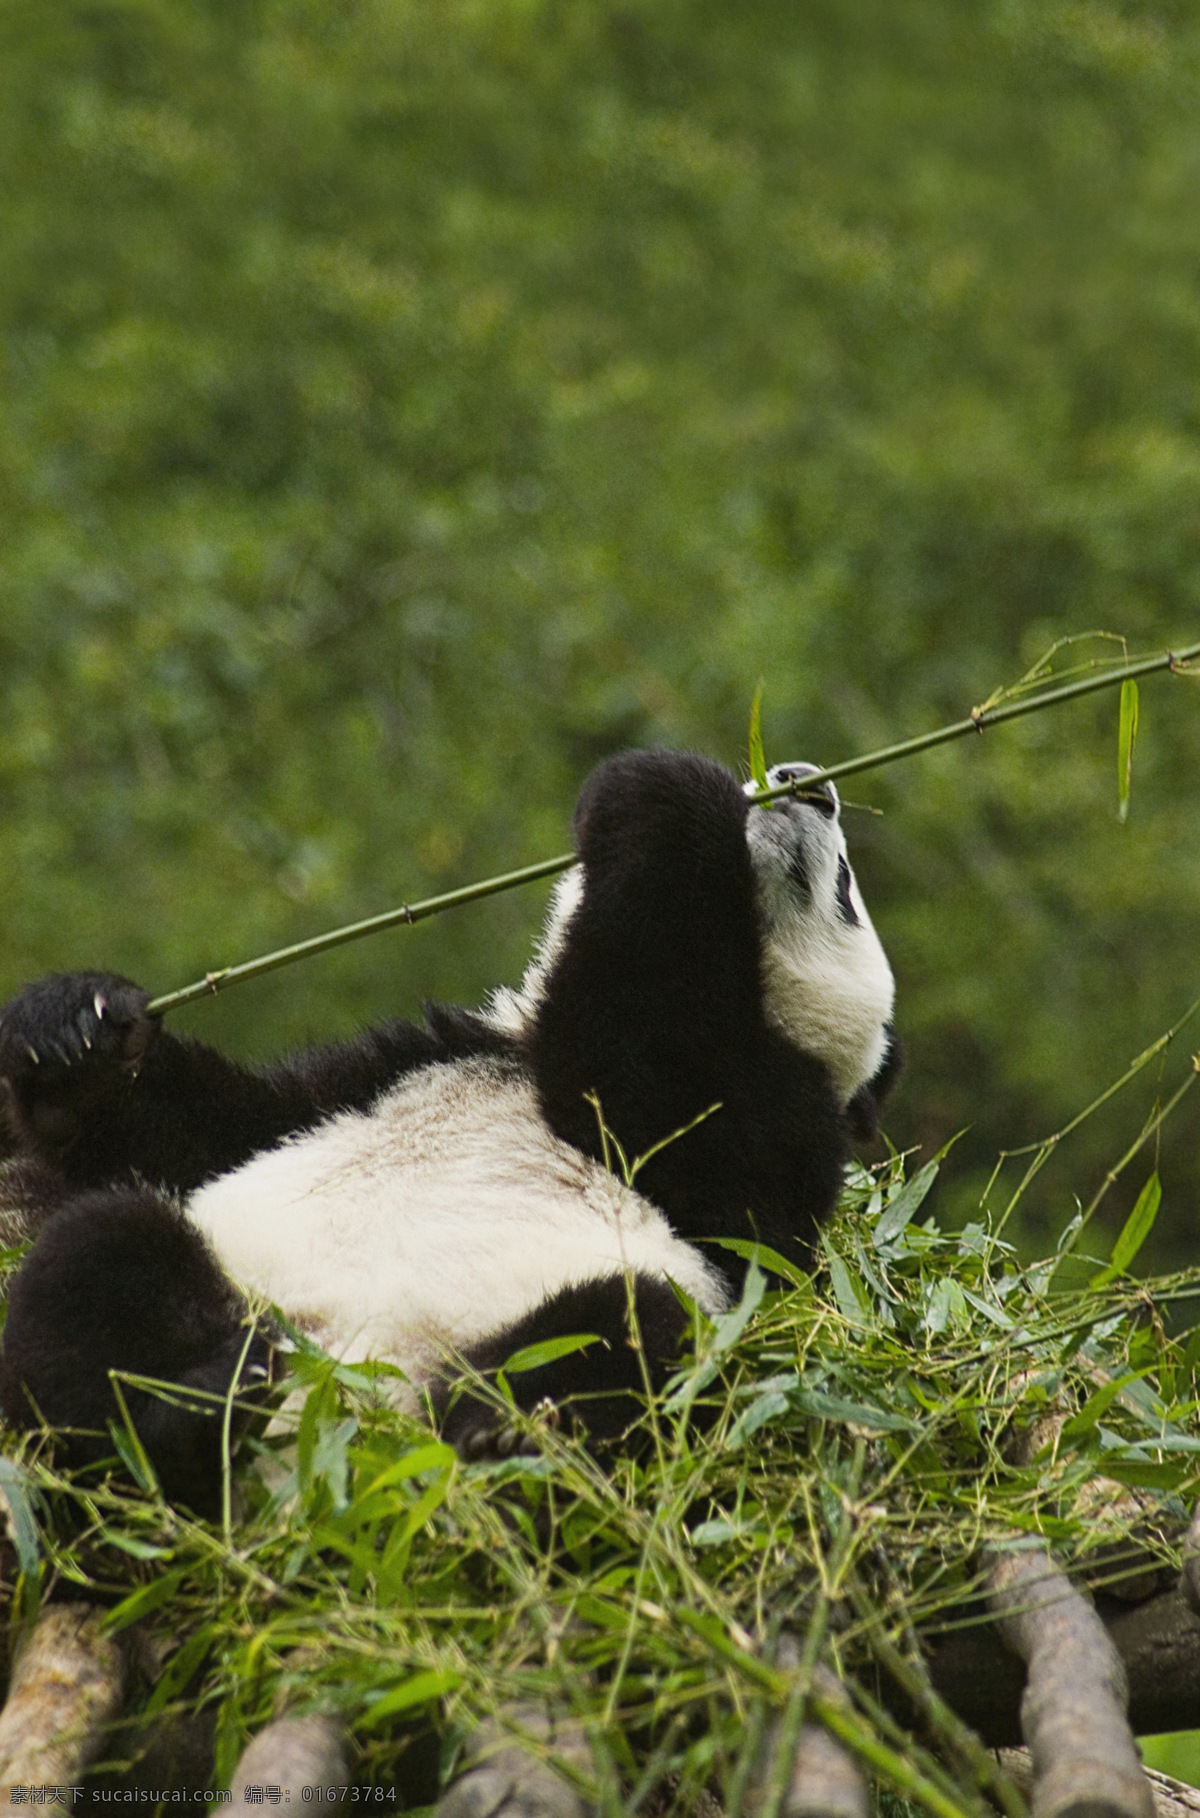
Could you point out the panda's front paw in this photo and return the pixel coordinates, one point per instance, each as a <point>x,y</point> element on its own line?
<point>95,1022</point>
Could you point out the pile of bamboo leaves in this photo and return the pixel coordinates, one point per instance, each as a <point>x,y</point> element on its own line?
<point>808,1506</point>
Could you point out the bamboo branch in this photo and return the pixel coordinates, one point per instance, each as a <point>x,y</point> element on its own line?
<point>976,722</point>
<point>212,982</point>
<point>1085,1761</point>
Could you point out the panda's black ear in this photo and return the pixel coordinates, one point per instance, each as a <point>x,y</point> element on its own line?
<point>862,1113</point>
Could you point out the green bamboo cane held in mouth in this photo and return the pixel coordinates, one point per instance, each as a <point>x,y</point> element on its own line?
<point>976,722</point>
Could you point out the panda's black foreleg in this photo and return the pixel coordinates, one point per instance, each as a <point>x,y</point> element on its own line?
<point>120,1281</point>
<point>92,1085</point>
<point>601,1386</point>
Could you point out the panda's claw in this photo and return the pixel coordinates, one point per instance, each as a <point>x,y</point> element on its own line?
<point>75,1023</point>
<point>476,1444</point>
<point>508,1441</point>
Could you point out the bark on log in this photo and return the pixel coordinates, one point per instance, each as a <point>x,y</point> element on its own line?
<point>504,1779</point>
<point>67,1686</point>
<point>1172,1798</point>
<point>1159,1645</point>
<point>823,1780</point>
<point>1085,1761</point>
<point>291,1753</point>
<point>1189,1578</point>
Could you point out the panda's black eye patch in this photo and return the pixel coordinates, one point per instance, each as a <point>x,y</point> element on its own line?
<point>845,906</point>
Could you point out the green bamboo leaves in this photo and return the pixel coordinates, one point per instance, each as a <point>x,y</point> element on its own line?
<point>758,762</point>
<point>1134,1232</point>
<point>1126,736</point>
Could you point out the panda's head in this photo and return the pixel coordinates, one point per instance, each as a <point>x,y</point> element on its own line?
<point>826,980</point>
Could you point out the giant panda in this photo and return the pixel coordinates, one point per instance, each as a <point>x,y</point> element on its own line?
<point>709,992</point>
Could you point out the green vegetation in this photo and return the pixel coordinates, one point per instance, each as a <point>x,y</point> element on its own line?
<point>407,405</point>
<point>867,1430</point>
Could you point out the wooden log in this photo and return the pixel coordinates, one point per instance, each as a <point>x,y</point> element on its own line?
<point>1158,1642</point>
<point>1172,1798</point>
<point>1085,1760</point>
<point>822,1780</point>
<point>290,1754</point>
<point>67,1686</point>
<point>505,1778</point>
<point>1189,1578</point>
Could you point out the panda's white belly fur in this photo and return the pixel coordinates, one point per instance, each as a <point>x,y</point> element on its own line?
<point>433,1220</point>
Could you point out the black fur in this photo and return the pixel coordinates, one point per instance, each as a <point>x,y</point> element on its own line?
<point>603,1383</point>
<point>105,1094</point>
<point>121,1279</point>
<point>862,1113</point>
<point>653,1006</point>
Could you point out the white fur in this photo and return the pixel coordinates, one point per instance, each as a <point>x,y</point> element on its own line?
<point>513,1011</point>
<point>826,984</point>
<point>433,1220</point>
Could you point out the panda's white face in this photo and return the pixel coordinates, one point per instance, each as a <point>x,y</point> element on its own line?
<point>826,980</point>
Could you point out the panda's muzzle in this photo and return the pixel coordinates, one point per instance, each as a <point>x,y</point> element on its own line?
<point>821,796</point>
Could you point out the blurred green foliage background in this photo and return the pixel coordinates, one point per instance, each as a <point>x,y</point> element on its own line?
<point>407,404</point>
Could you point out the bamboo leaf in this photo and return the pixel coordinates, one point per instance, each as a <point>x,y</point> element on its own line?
<point>852,1413</point>
<point>730,1326</point>
<point>848,1291</point>
<point>140,1602</point>
<point>1126,737</point>
<point>758,762</point>
<point>16,1491</point>
<point>1097,1405</point>
<point>422,1688</point>
<point>1134,1232</point>
<point>766,1258</point>
<point>765,1408</point>
<point>900,1211</point>
<point>533,1357</point>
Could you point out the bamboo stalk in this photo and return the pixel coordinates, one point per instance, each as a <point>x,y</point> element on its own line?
<point>976,722</point>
